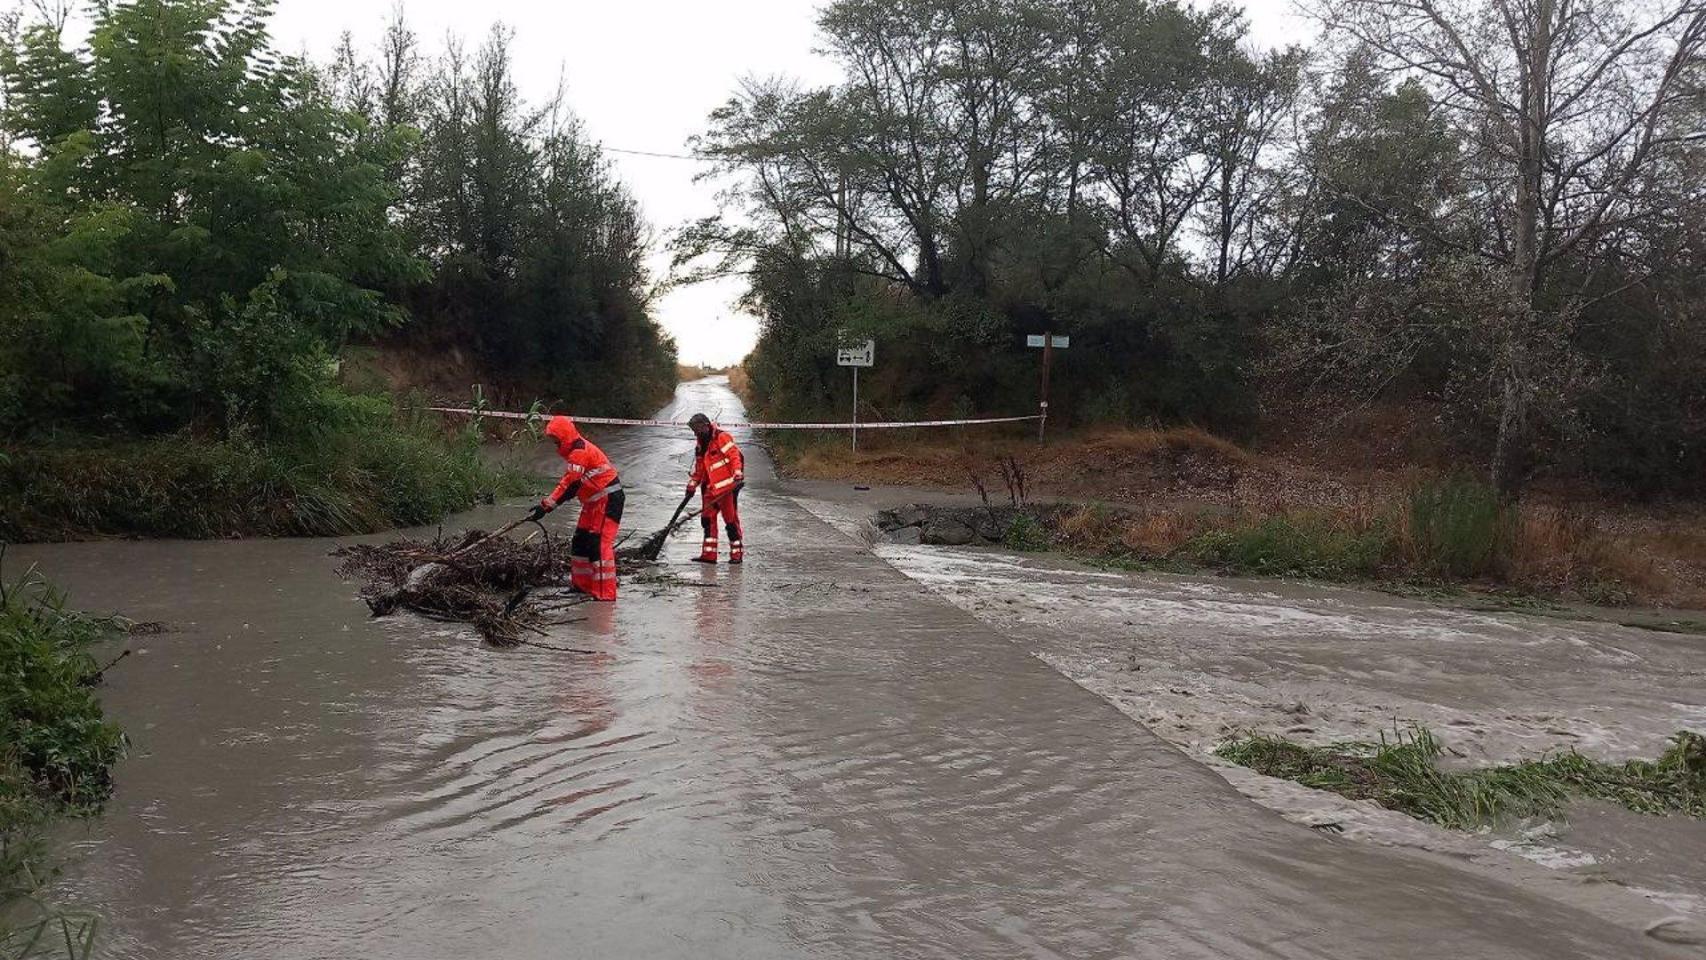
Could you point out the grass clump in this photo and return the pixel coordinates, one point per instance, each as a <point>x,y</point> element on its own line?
<point>1674,783</point>
<point>1302,545</point>
<point>366,467</point>
<point>1459,528</point>
<point>1402,773</point>
<point>1026,533</point>
<point>56,756</point>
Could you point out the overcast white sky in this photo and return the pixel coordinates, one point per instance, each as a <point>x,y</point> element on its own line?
<point>643,74</point>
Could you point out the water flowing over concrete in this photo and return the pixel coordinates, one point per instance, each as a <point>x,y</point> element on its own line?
<point>810,756</point>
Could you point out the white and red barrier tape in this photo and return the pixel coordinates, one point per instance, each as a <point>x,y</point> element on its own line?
<point>627,422</point>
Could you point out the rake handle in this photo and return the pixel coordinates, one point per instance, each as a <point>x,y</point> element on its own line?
<point>651,550</point>
<point>680,507</point>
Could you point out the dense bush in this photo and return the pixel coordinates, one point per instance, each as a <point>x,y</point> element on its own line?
<point>957,356</point>
<point>537,251</point>
<point>363,468</point>
<point>188,260</point>
<point>51,724</point>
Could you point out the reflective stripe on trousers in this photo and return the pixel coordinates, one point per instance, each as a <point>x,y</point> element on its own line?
<point>728,509</point>
<point>592,553</point>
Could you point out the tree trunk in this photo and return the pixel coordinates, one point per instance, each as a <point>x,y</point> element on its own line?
<point>1510,448</point>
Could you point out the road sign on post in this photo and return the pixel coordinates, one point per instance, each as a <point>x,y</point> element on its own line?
<point>1049,343</point>
<point>856,356</point>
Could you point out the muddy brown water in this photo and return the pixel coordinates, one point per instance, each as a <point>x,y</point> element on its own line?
<point>811,756</point>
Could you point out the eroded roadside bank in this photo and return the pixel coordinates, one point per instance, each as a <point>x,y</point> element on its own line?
<point>1183,500</point>
<point>1199,660</point>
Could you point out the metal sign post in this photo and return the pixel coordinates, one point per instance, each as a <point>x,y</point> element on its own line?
<point>1049,343</point>
<point>860,355</point>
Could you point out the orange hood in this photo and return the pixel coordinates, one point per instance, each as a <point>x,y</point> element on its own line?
<point>562,430</point>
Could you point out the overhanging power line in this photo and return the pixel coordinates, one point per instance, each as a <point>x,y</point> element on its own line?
<point>651,153</point>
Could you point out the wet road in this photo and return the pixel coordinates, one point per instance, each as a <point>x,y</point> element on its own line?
<point>811,756</point>
<point>1195,655</point>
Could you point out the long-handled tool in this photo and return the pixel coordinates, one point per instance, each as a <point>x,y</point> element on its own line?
<point>654,543</point>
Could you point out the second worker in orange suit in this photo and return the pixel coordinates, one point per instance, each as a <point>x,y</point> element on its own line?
<point>719,472</point>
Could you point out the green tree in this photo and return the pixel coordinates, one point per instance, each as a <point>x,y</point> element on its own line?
<point>538,251</point>
<point>210,178</point>
<point>998,162</point>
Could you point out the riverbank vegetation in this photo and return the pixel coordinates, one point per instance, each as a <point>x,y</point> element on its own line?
<point>1444,535</point>
<point>56,756</point>
<point>372,468</point>
<point>1402,773</point>
<point>1259,242</point>
<point>194,227</point>
<point>1184,499</point>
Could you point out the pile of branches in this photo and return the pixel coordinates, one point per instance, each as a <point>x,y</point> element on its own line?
<point>488,582</point>
<point>461,579</point>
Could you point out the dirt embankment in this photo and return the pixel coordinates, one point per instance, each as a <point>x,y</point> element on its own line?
<point>1111,465</point>
<point>450,373</point>
<point>444,373</point>
<point>1184,496</point>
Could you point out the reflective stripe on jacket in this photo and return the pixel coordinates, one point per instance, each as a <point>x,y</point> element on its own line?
<point>717,463</point>
<point>590,475</point>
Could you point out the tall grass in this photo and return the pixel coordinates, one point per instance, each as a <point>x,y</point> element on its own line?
<point>1451,529</point>
<point>741,383</point>
<point>364,467</point>
<point>56,758</point>
<point>1458,528</point>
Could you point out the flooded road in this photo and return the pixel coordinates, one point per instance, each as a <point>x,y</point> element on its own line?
<point>810,756</point>
<point>1199,659</point>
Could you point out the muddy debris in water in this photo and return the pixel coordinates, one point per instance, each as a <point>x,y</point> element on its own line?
<point>467,578</point>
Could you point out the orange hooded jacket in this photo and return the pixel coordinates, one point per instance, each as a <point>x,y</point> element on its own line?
<point>718,465</point>
<point>590,475</point>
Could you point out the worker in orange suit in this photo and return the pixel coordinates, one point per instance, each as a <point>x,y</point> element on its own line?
<point>719,472</point>
<point>592,479</point>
